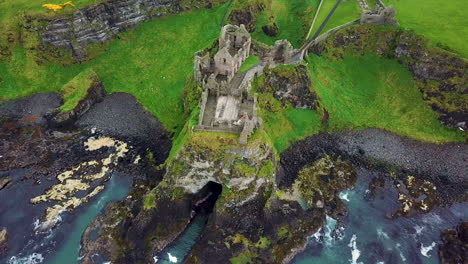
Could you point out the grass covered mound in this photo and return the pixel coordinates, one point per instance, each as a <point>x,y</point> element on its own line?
<point>443,22</point>
<point>368,91</point>
<point>282,122</point>
<point>151,62</point>
<point>76,89</point>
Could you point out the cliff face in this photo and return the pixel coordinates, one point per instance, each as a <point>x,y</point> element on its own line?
<point>98,23</point>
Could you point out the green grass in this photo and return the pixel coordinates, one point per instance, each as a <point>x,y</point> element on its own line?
<point>76,89</point>
<point>361,92</point>
<point>11,8</point>
<point>151,62</point>
<point>443,22</point>
<point>248,63</point>
<point>289,125</point>
<point>346,12</point>
<point>293,18</point>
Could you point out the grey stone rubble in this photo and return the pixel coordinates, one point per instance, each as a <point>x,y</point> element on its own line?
<point>226,104</point>
<point>363,4</point>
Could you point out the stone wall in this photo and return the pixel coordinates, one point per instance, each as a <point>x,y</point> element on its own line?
<point>203,100</point>
<point>100,22</point>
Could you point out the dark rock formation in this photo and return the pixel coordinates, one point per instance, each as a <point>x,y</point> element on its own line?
<point>4,182</point>
<point>3,241</point>
<point>33,155</point>
<point>455,245</point>
<point>100,22</point>
<point>385,151</point>
<point>31,109</point>
<point>246,15</point>
<point>440,75</point>
<point>290,85</point>
<point>95,94</point>
<point>271,30</point>
<point>120,115</point>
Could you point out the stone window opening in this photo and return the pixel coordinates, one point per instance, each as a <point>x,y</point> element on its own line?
<point>224,60</point>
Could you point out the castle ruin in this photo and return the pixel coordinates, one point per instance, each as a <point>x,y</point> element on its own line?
<point>226,105</point>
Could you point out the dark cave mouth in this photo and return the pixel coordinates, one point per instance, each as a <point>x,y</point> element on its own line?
<point>208,196</point>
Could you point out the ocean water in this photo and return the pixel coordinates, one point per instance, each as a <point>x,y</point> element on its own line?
<point>369,236</point>
<point>62,243</point>
<point>180,248</point>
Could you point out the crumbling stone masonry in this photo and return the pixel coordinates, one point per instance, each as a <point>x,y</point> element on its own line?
<point>380,15</point>
<point>226,105</point>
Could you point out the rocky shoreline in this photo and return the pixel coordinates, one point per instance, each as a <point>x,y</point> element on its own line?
<point>66,167</point>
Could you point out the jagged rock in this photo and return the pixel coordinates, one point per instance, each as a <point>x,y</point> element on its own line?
<point>95,93</point>
<point>100,22</point>
<point>271,30</point>
<point>290,85</point>
<point>246,16</point>
<point>454,249</point>
<point>4,182</point>
<point>3,241</point>
<point>31,109</point>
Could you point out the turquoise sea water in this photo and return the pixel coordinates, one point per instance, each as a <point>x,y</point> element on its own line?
<point>369,236</point>
<point>177,251</point>
<point>62,244</point>
<point>69,252</point>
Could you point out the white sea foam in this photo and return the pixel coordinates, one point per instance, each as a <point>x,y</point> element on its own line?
<point>425,250</point>
<point>418,229</point>
<point>398,245</point>
<point>381,233</point>
<point>318,236</point>
<point>355,252</point>
<point>46,227</point>
<point>172,258</point>
<point>34,258</point>
<point>344,196</point>
<point>432,218</point>
<point>155,259</point>
<point>329,227</point>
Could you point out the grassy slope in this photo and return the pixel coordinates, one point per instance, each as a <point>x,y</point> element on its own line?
<point>374,92</point>
<point>346,12</point>
<point>248,63</point>
<point>143,62</point>
<point>76,89</point>
<point>443,22</point>
<point>293,18</point>
<point>289,125</point>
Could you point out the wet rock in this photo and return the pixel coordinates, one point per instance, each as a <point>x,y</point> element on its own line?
<point>4,182</point>
<point>271,30</point>
<point>454,249</point>
<point>290,85</point>
<point>30,110</point>
<point>95,93</point>
<point>385,151</point>
<point>120,115</point>
<point>3,241</point>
